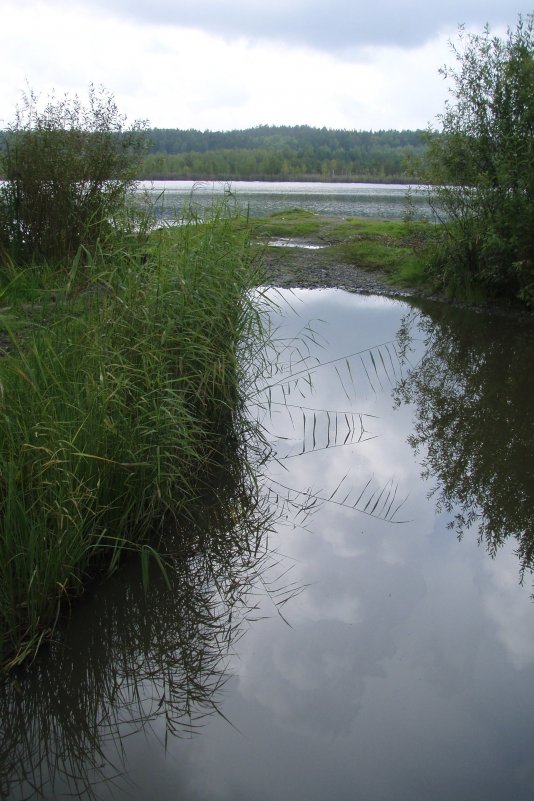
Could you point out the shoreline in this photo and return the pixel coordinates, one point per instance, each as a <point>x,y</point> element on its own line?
<point>302,268</point>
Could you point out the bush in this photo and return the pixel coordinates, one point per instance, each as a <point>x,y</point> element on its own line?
<point>483,164</point>
<point>68,168</point>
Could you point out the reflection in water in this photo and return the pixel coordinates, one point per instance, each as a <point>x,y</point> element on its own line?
<point>131,658</point>
<point>474,422</point>
<point>407,671</point>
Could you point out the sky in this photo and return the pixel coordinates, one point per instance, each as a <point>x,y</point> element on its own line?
<point>230,64</point>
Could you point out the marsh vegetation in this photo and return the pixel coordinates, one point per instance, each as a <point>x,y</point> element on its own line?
<point>122,373</point>
<point>396,249</point>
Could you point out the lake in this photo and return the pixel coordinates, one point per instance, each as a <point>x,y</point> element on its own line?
<point>266,197</point>
<point>366,634</point>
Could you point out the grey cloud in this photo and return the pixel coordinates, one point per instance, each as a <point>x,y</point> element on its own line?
<point>335,26</point>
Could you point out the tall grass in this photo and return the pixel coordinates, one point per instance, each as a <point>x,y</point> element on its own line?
<point>115,407</point>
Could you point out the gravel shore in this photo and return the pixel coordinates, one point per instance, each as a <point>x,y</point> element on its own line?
<point>292,267</point>
<point>303,267</point>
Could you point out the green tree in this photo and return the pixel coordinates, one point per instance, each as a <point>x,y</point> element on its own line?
<point>67,168</point>
<point>483,164</point>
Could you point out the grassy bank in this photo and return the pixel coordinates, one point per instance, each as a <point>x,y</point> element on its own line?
<point>397,249</point>
<point>120,391</point>
<point>407,254</point>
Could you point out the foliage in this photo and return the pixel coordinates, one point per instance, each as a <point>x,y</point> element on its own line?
<point>117,401</point>
<point>176,635</point>
<point>281,152</point>
<point>67,168</point>
<point>484,165</point>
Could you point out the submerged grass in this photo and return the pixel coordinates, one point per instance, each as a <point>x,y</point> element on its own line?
<point>293,222</point>
<point>120,390</point>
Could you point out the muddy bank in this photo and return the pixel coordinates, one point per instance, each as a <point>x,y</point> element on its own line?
<point>301,267</point>
<point>305,268</point>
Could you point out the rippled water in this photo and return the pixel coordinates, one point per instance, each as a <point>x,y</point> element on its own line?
<point>265,197</point>
<point>356,648</point>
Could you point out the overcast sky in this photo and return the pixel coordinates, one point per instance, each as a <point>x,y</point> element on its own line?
<point>223,64</point>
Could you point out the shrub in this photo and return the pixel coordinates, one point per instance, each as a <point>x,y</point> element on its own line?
<point>483,164</point>
<point>68,168</point>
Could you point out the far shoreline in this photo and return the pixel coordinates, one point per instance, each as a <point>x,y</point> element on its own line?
<point>393,180</point>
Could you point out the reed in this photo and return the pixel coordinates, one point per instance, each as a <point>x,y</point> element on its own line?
<point>118,401</point>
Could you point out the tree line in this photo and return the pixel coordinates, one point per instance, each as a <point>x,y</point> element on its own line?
<point>282,153</point>
<point>269,152</point>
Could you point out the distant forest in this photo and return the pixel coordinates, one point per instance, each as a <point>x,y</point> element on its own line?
<point>283,153</point>
<point>280,153</point>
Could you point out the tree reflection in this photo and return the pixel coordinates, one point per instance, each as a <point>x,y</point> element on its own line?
<point>131,660</point>
<point>473,393</point>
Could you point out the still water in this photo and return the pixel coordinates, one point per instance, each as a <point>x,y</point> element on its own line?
<point>262,198</point>
<point>356,638</point>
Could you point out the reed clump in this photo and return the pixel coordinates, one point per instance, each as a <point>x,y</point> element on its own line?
<point>117,401</point>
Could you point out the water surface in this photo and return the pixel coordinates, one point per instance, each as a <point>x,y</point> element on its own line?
<point>262,198</point>
<point>357,648</point>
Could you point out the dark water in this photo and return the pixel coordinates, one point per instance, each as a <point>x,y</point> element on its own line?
<point>262,198</point>
<point>347,648</point>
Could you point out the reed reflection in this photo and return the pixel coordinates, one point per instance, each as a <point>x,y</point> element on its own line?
<point>474,421</point>
<point>131,660</point>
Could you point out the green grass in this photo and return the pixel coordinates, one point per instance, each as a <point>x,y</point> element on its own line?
<point>399,259</point>
<point>120,393</point>
<point>396,248</point>
<point>293,222</point>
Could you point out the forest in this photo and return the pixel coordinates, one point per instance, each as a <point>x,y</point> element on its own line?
<point>269,152</point>
<point>280,153</point>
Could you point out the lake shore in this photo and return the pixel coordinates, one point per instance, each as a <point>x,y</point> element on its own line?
<point>365,256</point>
<point>303,268</point>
